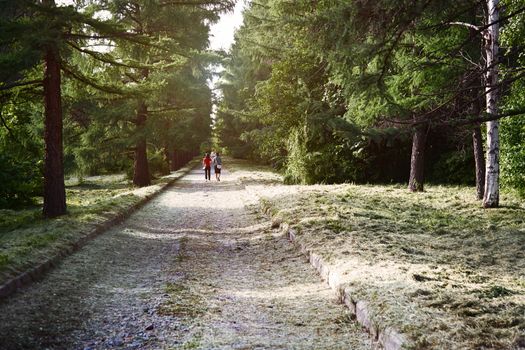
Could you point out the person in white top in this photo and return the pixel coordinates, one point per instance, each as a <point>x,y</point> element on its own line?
<point>217,162</point>
<point>213,155</point>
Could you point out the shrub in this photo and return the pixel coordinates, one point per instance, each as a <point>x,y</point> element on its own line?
<point>513,154</point>
<point>20,181</point>
<point>157,163</point>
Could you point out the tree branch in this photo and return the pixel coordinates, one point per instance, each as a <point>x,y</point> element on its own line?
<point>23,83</point>
<point>468,25</point>
<point>4,123</point>
<point>106,58</point>
<point>93,83</point>
<point>480,29</point>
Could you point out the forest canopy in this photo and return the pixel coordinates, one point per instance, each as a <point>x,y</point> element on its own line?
<point>380,91</point>
<point>325,91</point>
<point>101,87</point>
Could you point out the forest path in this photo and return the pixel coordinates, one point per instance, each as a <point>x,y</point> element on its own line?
<point>193,269</point>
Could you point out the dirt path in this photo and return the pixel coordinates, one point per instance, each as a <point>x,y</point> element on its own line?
<point>193,270</point>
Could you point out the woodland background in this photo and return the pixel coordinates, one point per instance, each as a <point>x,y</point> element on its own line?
<point>325,91</point>
<point>350,91</point>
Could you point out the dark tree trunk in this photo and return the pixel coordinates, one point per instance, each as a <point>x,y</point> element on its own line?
<point>179,159</point>
<point>479,158</point>
<point>173,156</point>
<point>141,175</point>
<point>417,161</point>
<point>167,157</point>
<point>54,188</point>
<point>477,140</point>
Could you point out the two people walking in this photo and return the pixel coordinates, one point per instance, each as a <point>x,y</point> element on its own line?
<point>212,160</point>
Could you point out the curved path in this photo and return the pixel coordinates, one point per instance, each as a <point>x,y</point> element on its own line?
<point>193,269</point>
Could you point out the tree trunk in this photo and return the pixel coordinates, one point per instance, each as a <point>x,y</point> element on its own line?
<point>54,188</point>
<point>480,161</point>
<point>173,160</point>
<point>167,157</point>
<point>417,160</point>
<point>491,196</point>
<point>141,175</point>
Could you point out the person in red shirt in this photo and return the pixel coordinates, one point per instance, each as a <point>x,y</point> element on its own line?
<point>206,163</point>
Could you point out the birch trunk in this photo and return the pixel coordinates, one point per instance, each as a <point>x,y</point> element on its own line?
<point>491,196</point>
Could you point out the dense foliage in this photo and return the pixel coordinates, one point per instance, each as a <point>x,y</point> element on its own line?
<point>133,93</point>
<point>332,91</point>
<point>326,91</point>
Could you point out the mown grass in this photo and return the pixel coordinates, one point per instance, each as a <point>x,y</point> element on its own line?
<point>26,238</point>
<point>435,265</point>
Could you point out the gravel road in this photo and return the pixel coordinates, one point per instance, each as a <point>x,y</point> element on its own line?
<point>193,269</point>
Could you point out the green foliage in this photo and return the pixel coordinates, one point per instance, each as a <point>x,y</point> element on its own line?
<point>158,164</point>
<point>450,168</point>
<point>299,71</point>
<point>325,91</point>
<point>513,154</point>
<point>20,181</point>
<point>297,166</point>
<point>324,151</point>
<point>148,54</point>
<point>513,129</point>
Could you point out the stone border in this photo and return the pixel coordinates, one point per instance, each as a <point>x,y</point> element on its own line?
<point>388,338</point>
<point>37,273</point>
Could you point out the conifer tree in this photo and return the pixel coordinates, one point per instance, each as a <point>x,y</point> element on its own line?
<point>181,31</point>
<point>410,65</point>
<point>54,188</point>
<point>68,31</point>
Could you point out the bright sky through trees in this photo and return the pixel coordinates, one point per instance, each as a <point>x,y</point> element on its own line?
<point>222,32</point>
<point>222,37</point>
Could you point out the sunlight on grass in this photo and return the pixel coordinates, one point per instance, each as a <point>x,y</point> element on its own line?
<point>435,265</point>
<point>26,238</point>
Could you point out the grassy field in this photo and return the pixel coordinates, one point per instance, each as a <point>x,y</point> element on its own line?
<point>435,265</point>
<point>26,238</point>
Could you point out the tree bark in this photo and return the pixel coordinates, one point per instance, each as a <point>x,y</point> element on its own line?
<point>174,160</point>
<point>54,188</point>
<point>480,161</point>
<point>491,195</point>
<point>417,161</point>
<point>141,176</point>
<point>167,157</point>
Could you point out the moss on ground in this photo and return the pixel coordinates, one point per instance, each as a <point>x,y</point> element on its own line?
<point>435,264</point>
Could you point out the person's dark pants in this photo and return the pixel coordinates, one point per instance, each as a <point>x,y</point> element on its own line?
<point>207,173</point>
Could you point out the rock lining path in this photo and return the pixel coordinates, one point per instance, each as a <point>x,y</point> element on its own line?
<point>193,269</point>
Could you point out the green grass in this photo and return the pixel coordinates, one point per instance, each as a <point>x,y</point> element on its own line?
<point>26,238</point>
<point>435,265</point>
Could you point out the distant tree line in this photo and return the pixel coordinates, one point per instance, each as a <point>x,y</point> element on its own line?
<point>380,91</point>
<point>100,86</point>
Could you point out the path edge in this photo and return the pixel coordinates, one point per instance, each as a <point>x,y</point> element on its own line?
<point>387,337</point>
<point>37,272</point>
